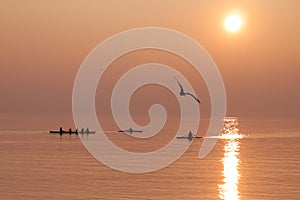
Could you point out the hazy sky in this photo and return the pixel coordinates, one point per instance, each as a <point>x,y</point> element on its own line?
<point>43,44</point>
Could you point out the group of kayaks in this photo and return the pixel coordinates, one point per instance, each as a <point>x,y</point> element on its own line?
<point>86,131</point>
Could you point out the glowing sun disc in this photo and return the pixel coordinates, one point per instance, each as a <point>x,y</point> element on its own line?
<point>233,23</point>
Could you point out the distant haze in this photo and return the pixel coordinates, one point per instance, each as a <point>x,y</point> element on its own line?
<point>43,44</point>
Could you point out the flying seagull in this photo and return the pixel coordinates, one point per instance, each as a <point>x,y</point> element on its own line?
<point>182,93</point>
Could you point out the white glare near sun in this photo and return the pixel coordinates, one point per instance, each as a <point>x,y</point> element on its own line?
<point>233,23</point>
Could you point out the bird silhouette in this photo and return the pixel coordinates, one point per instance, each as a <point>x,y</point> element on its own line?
<point>182,93</point>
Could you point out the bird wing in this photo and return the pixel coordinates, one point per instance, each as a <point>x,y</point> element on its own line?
<point>187,93</point>
<point>181,88</point>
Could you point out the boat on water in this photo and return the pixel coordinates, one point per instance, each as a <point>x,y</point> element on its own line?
<point>70,132</point>
<point>130,130</point>
<point>190,136</point>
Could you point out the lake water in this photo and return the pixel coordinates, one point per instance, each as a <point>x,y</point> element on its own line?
<point>264,164</point>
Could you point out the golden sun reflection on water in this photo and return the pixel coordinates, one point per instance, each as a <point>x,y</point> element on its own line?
<point>229,189</point>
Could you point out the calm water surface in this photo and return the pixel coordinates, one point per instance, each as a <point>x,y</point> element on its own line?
<point>264,164</point>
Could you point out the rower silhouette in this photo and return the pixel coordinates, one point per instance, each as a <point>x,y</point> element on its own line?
<point>60,131</point>
<point>190,136</point>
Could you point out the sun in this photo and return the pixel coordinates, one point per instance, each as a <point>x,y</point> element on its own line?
<point>233,23</point>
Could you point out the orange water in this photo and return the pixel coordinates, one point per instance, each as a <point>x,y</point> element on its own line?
<point>262,165</point>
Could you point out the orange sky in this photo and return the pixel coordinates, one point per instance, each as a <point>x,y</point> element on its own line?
<point>44,42</point>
